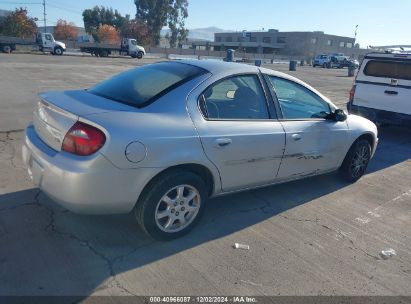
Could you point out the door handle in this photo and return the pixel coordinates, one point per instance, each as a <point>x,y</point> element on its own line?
<point>391,92</point>
<point>296,137</point>
<point>222,142</point>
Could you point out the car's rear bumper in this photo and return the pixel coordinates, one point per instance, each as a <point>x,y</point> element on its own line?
<point>90,185</point>
<point>380,116</point>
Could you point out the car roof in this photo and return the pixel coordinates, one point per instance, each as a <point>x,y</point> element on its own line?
<point>215,66</point>
<point>218,66</point>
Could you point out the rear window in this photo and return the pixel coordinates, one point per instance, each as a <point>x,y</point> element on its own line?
<point>388,69</point>
<point>142,86</point>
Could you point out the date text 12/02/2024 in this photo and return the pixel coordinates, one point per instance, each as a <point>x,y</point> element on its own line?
<point>203,299</point>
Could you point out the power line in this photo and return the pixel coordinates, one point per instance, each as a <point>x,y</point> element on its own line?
<point>21,3</point>
<point>64,9</point>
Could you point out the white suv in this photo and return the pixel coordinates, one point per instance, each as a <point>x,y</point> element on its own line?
<point>382,89</point>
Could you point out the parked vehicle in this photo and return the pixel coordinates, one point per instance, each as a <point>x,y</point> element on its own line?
<point>161,139</point>
<point>44,41</point>
<point>352,62</point>
<point>382,89</point>
<point>321,61</point>
<point>340,56</point>
<point>128,47</point>
<point>337,60</point>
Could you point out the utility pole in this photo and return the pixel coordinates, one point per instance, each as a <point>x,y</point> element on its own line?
<point>44,15</point>
<point>355,39</point>
<point>355,34</point>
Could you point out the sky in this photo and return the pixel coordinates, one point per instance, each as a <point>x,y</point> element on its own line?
<point>380,22</point>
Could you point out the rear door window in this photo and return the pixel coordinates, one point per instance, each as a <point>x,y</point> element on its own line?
<point>237,97</point>
<point>388,69</point>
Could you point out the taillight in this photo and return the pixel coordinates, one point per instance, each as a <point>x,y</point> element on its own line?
<point>83,139</point>
<point>352,93</point>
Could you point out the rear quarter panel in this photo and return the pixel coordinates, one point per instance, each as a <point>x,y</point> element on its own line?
<point>164,128</point>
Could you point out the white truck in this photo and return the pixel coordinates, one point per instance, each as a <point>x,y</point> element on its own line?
<point>128,47</point>
<point>382,89</point>
<point>43,41</point>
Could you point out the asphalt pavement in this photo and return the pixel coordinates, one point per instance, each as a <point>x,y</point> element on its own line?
<point>318,236</point>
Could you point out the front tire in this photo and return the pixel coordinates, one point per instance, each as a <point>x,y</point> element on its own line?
<point>58,51</point>
<point>140,55</point>
<point>171,205</point>
<point>356,161</point>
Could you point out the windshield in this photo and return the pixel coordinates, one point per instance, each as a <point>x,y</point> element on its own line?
<point>133,41</point>
<point>141,86</point>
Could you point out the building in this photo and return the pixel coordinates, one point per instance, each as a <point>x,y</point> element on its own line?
<point>298,44</point>
<point>4,14</point>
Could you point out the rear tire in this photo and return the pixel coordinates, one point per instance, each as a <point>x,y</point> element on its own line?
<point>171,205</point>
<point>7,49</point>
<point>356,161</point>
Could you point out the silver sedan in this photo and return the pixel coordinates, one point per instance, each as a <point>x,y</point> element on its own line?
<point>161,139</point>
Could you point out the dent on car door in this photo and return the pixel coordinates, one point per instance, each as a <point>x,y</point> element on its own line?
<point>238,133</point>
<point>314,143</point>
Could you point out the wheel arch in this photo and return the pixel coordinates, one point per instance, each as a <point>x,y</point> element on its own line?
<point>369,137</point>
<point>202,171</point>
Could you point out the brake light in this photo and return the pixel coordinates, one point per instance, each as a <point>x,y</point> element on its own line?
<point>352,93</point>
<point>83,139</point>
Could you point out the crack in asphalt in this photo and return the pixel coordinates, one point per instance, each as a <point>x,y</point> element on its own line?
<point>51,226</point>
<point>33,203</point>
<point>317,222</point>
<point>7,133</point>
<point>7,140</point>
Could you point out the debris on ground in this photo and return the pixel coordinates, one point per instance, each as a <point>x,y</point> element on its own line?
<point>388,253</point>
<point>241,246</point>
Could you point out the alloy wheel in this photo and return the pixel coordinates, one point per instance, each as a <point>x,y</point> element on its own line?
<point>360,161</point>
<point>178,208</point>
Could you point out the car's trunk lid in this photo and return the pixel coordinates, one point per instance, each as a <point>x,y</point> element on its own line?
<point>57,112</point>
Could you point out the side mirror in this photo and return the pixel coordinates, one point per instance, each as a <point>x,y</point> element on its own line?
<point>340,115</point>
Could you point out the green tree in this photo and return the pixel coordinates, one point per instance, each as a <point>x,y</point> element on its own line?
<point>177,14</point>
<point>19,24</point>
<point>99,15</point>
<point>159,13</point>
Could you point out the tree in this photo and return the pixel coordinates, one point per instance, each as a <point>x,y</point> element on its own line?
<point>97,16</point>
<point>108,34</point>
<point>177,14</point>
<point>65,30</point>
<point>137,30</point>
<point>159,13</point>
<point>19,24</point>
